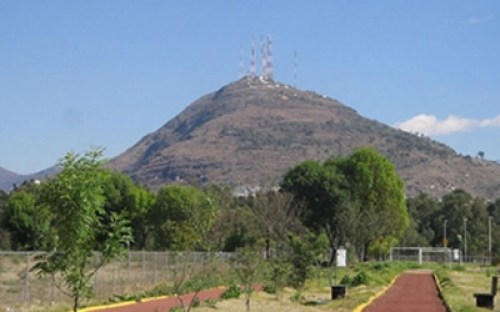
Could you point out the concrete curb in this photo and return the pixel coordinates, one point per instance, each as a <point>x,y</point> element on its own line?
<point>438,285</point>
<point>130,302</point>
<point>111,305</point>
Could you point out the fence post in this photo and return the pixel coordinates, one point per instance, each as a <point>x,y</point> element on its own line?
<point>26,293</point>
<point>143,266</point>
<point>154,267</point>
<point>96,281</point>
<point>114,276</point>
<point>128,266</point>
<point>53,291</point>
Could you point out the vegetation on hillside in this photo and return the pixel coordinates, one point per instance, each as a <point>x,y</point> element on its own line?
<point>251,132</point>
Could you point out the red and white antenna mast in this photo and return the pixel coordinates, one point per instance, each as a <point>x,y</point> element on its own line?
<point>251,70</point>
<point>295,68</point>
<point>269,58</point>
<point>242,65</point>
<point>263,58</point>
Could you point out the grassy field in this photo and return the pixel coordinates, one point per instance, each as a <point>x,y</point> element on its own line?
<point>459,283</point>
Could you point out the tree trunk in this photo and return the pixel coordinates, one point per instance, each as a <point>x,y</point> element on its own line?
<point>76,303</point>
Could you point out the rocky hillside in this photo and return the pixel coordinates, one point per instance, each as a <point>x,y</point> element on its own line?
<point>251,131</point>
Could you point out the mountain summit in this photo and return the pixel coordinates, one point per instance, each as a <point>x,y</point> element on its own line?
<point>249,132</point>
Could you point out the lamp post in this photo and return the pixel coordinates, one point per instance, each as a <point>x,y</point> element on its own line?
<point>445,240</point>
<point>465,239</point>
<point>489,237</point>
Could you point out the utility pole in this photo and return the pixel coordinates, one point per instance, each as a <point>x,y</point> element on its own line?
<point>465,239</point>
<point>445,239</point>
<point>489,237</point>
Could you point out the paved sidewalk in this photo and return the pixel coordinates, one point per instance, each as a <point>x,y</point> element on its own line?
<point>158,304</point>
<point>411,292</point>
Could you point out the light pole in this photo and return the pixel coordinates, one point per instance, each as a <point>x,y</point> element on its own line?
<point>489,237</point>
<point>445,240</point>
<point>465,239</point>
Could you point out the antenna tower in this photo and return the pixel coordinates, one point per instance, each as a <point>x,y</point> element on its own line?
<point>295,68</point>
<point>263,58</point>
<point>252,61</point>
<point>269,58</point>
<point>242,65</point>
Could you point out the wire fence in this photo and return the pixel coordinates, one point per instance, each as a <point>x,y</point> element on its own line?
<point>136,272</point>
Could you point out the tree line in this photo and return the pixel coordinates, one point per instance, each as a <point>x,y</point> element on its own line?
<point>356,202</point>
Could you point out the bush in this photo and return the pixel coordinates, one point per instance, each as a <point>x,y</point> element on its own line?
<point>379,266</point>
<point>277,275</point>
<point>233,291</point>
<point>297,297</point>
<point>360,279</point>
<point>270,289</point>
<point>346,280</point>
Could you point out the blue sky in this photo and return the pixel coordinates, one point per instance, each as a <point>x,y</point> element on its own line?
<point>77,74</point>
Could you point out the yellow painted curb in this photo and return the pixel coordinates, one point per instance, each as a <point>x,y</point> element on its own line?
<point>105,306</point>
<point>126,303</point>
<point>360,307</point>
<point>154,298</point>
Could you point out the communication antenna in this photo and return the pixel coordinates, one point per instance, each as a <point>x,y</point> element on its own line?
<point>295,68</point>
<point>263,58</point>
<point>251,70</point>
<point>269,58</point>
<point>242,65</point>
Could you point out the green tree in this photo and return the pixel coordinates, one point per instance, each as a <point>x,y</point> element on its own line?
<point>375,185</point>
<point>26,220</point>
<point>494,212</point>
<point>426,222</point>
<point>247,265</point>
<point>277,218</point>
<point>455,208</point>
<point>477,228</point>
<point>358,199</point>
<point>4,234</point>
<point>76,200</point>
<point>122,196</point>
<point>181,218</point>
<point>322,190</point>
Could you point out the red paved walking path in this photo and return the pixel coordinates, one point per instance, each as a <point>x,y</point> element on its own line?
<point>162,304</point>
<point>411,292</point>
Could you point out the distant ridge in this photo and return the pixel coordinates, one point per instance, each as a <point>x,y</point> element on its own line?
<point>249,132</point>
<point>8,178</point>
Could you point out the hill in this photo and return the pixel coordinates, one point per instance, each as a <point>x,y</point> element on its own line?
<point>8,178</point>
<point>251,131</point>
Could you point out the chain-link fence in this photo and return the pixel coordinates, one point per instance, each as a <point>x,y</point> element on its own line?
<point>134,273</point>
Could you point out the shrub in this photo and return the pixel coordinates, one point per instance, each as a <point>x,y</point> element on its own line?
<point>360,279</point>
<point>270,289</point>
<point>233,291</point>
<point>379,266</point>
<point>211,303</point>
<point>346,280</point>
<point>277,275</point>
<point>297,297</point>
